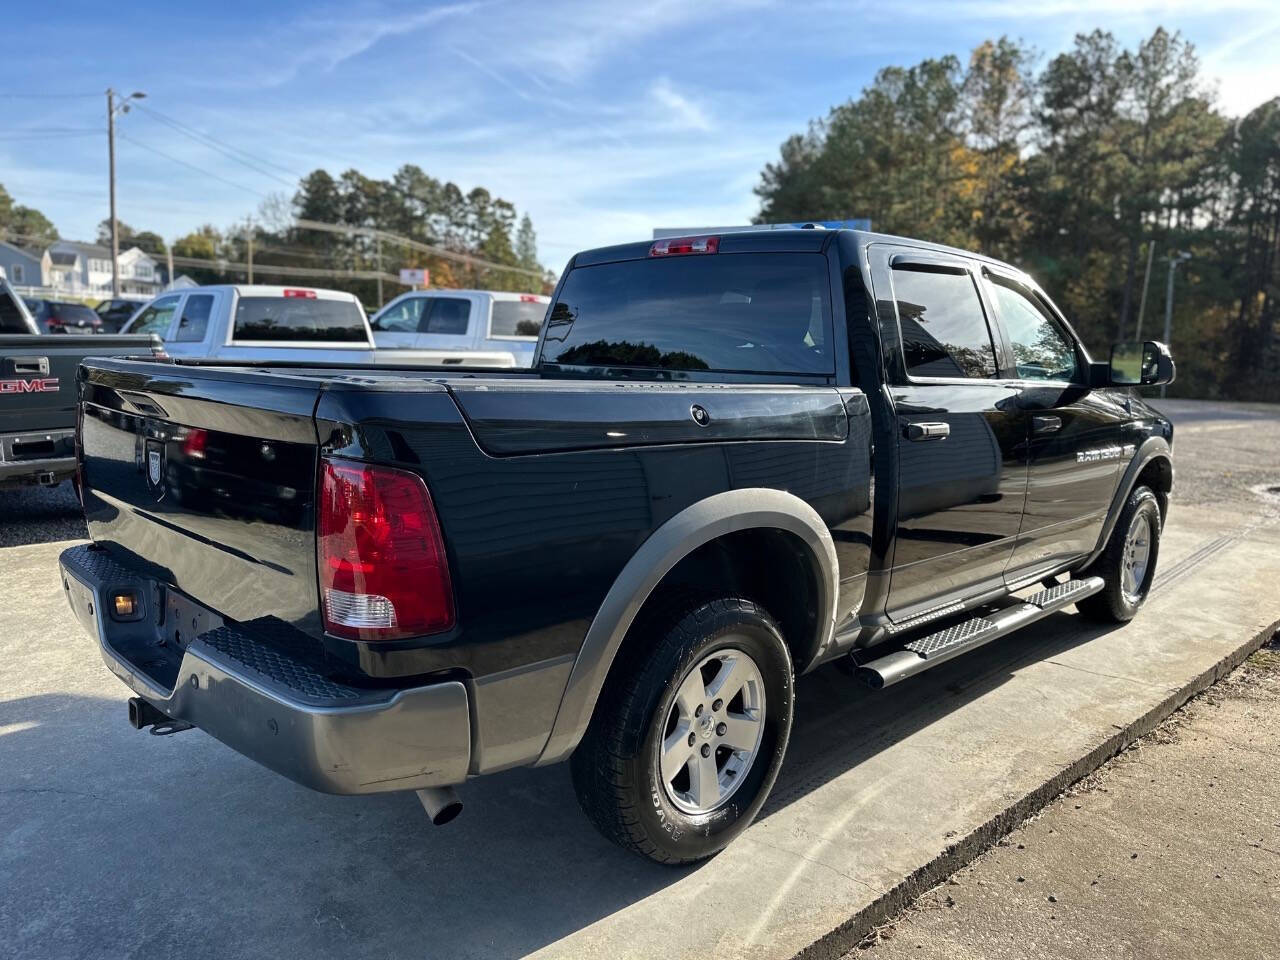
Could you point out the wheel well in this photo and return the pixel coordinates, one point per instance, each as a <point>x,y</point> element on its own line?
<point>772,567</point>
<point>1158,475</point>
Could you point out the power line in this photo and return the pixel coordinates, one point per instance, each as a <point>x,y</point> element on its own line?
<point>222,148</point>
<point>192,166</point>
<point>415,245</point>
<point>192,130</point>
<point>227,266</point>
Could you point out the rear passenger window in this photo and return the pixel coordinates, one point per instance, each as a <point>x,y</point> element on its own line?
<point>944,331</point>
<point>517,318</point>
<point>195,318</point>
<point>448,315</point>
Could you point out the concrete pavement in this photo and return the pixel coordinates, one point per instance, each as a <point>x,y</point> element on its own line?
<point>115,843</point>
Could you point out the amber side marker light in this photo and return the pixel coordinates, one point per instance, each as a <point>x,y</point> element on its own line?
<point>125,606</point>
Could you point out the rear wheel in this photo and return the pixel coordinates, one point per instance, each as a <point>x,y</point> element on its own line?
<point>689,733</point>
<point>1128,562</point>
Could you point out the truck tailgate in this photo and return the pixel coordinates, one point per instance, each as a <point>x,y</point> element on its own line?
<point>38,377</point>
<point>206,477</point>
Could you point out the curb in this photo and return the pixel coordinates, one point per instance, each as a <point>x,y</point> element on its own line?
<point>842,939</point>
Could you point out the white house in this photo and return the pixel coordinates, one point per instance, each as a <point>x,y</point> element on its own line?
<point>84,269</point>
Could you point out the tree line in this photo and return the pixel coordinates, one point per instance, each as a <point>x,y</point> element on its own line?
<point>447,231</point>
<point>410,205</point>
<point>1076,170</point>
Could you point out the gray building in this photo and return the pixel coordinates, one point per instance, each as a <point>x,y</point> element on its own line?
<point>22,267</point>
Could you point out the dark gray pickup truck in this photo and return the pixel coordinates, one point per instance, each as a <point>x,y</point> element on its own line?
<point>38,392</point>
<point>735,459</point>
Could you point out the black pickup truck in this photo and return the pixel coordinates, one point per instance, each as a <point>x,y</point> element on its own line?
<point>38,392</point>
<point>736,458</point>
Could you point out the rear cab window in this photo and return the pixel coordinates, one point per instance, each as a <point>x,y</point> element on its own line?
<point>72,314</point>
<point>298,318</point>
<point>761,313</point>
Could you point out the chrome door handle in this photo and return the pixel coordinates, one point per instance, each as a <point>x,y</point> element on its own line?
<point>1046,424</point>
<point>928,431</point>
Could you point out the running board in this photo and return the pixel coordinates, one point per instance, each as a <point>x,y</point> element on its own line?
<point>935,648</point>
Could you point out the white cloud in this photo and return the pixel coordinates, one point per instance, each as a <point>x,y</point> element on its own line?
<point>1246,68</point>
<point>682,112</point>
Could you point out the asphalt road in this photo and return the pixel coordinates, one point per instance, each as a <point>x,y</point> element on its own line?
<point>115,843</point>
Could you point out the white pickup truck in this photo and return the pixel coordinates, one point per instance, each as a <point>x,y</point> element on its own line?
<point>488,328</point>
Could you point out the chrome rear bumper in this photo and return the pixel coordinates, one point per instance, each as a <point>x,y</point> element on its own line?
<point>261,701</point>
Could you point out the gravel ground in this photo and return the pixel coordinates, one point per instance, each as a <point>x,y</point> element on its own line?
<point>1223,452</point>
<point>1171,850</point>
<point>40,515</point>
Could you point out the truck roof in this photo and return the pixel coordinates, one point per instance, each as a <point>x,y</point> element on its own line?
<point>496,294</point>
<point>799,240</point>
<point>271,290</point>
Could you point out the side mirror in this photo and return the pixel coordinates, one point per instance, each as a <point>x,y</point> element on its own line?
<point>1136,364</point>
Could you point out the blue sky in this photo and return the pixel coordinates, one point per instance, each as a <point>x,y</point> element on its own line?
<point>600,120</point>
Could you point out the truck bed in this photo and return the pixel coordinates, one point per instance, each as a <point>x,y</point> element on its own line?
<point>535,481</point>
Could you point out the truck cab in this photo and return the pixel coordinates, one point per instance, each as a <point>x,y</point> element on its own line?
<point>248,322</point>
<point>473,327</point>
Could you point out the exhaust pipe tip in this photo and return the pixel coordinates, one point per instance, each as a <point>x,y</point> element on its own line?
<point>441,803</point>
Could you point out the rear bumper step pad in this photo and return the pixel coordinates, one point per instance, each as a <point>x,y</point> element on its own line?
<point>934,648</point>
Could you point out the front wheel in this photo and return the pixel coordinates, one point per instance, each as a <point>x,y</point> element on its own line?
<point>689,733</point>
<point>1128,562</point>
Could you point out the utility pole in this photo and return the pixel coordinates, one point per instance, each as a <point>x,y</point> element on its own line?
<point>377,246</point>
<point>1175,258</point>
<point>111,176</point>
<point>1146,282</point>
<point>249,240</point>
<point>112,110</point>
<point>168,249</point>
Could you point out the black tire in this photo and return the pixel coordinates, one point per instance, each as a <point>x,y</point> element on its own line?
<point>616,769</point>
<point>1113,604</point>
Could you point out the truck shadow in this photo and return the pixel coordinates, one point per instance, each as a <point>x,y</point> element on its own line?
<point>119,843</point>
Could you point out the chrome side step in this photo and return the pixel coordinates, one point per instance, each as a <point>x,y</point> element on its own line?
<point>935,648</point>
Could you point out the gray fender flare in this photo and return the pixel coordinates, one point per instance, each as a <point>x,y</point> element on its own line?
<point>699,523</point>
<point>1152,448</point>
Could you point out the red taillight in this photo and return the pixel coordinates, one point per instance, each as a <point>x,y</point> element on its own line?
<point>304,294</point>
<point>533,298</point>
<point>383,569</point>
<point>680,245</point>
<point>194,443</point>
